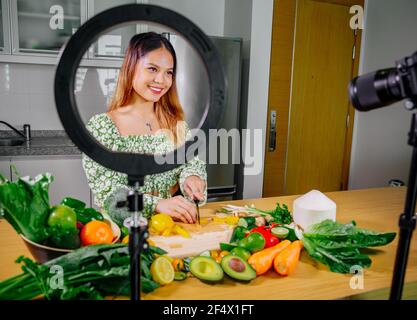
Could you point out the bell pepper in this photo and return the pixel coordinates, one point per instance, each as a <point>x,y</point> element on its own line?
<point>91,214</point>
<point>66,240</point>
<point>253,242</point>
<point>62,222</point>
<point>270,239</point>
<point>73,203</point>
<point>87,215</point>
<point>238,234</point>
<point>84,215</point>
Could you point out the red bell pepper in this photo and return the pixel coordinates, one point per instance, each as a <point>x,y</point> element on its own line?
<point>270,240</point>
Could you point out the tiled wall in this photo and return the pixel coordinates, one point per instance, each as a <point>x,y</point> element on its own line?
<point>26,94</point>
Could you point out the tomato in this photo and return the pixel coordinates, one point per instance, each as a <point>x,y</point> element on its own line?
<point>96,232</point>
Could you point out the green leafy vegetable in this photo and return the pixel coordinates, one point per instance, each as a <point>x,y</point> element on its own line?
<point>25,205</point>
<point>338,245</point>
<point>280,214</point>
<point>332,235</point>
<point>91,272</point>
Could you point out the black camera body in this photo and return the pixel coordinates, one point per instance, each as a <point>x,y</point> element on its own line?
<point>384,87</point>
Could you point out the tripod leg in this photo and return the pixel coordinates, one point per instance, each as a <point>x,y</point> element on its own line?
<point>407,223</point>
<point>134,245</point>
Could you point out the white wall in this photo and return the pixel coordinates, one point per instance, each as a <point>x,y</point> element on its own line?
<point>379,148</point>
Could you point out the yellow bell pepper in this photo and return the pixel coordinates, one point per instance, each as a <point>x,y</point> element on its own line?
<point>180,231</point>
<point>232,220</point>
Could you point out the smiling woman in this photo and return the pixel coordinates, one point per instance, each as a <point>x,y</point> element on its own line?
<point>144,102</point>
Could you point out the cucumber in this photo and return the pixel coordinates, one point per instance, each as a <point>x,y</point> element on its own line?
<point>246,222</point>
<point>179,276</point>
<point>280,232</point>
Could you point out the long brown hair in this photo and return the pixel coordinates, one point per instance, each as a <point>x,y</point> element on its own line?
<point>168,109</point>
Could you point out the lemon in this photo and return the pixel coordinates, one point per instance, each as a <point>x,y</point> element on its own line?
<point>162,271</point>
<point>161,222</point>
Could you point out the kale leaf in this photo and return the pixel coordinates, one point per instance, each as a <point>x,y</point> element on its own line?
<point>25,205</point>
<point>338,245</point>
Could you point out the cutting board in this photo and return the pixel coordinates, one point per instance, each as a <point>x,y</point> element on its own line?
<point>202,237</point>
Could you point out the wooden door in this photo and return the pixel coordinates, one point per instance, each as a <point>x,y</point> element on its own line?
<point>312,62</point>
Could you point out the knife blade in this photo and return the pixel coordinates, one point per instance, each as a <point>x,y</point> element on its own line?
<point>196,201</point>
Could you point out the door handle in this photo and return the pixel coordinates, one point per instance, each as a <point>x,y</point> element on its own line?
<point>272,131</point>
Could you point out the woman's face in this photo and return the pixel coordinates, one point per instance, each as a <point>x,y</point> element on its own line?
<point>154,74</point>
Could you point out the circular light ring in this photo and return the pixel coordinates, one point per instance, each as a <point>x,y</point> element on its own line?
<point>133,164</point>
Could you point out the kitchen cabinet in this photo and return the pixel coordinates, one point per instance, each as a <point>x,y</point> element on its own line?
<point>44,26</point>
<point>39,29</point>
<point>69,176</point>
<point>4,27</point>
<point>5,168</point>
<point>115,42</point>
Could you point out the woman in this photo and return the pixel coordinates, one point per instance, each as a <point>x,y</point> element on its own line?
<point>144,102</point>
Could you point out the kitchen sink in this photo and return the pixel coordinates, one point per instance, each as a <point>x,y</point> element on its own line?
<point>11,142</point>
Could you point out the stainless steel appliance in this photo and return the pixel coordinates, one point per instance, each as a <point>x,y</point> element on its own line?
<point>193,94</point>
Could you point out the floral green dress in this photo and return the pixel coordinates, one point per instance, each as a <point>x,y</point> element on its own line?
<point>105,182</point>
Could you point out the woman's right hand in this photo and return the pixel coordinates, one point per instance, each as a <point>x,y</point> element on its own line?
<point>178,208</point>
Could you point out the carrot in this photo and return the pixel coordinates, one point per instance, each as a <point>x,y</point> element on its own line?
<point>286,261</point>
<point>262,261</point>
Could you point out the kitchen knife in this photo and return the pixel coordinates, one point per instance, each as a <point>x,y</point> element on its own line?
<point>196,201</point>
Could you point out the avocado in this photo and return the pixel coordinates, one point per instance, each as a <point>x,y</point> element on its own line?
<point>206,269</point>
<point>237,268</point>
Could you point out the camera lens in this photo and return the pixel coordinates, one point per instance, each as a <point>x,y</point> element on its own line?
<point>375,89</point>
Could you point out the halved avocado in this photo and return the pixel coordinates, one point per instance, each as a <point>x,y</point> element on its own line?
<point>237,268</point>
<point>206,268</point>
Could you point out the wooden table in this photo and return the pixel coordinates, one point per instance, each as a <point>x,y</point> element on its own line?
<point>375,209</point>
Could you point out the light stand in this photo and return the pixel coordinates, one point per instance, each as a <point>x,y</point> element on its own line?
<point>407,221</point>
<point>138,233</point>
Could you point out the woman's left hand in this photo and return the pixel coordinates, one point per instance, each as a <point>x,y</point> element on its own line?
<point>194,186</point>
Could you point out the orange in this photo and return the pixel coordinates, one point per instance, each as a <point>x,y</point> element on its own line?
<point>96,232</point>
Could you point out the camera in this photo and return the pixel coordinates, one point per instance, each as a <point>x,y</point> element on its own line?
<point>384,87</point>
